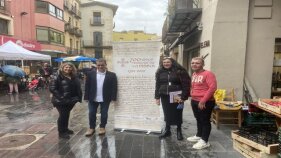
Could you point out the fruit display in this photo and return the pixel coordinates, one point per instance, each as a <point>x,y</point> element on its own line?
<point>273,105</point>
<point>273,102</point>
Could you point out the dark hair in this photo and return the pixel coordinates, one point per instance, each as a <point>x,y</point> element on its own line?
<point>102,60</point>
<point>176,67</point>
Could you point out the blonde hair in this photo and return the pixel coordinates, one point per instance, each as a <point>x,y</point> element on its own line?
<point>73,72</point>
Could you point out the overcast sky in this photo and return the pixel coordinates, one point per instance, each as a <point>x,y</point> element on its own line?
<point>147,15</point>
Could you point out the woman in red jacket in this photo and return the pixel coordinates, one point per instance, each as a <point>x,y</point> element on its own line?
<point>203,87</point>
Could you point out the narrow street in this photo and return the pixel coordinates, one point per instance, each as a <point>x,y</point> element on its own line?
<point>28,130</point>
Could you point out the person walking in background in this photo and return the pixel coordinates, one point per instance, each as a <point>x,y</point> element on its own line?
<point>171,77</point>
<point>13,82</point>
<point>203,85</point>
<point>100,89</point>
<point>66,90</point>
<point>46,71</point>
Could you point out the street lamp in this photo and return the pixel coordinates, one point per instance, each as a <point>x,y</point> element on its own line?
<point>23,13</point>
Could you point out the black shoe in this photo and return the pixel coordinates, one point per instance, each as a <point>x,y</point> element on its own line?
<point>166,133</point>
<point>64,135</point>
<point>69,131</point>
<point>179,134</point>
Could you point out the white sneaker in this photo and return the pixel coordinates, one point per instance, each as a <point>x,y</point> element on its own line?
<point>193,139</point>
<point>201,144</point>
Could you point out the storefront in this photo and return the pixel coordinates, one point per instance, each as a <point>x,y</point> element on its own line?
<point>30,45</point>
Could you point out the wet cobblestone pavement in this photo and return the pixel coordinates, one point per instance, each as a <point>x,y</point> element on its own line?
<point>28,130</point>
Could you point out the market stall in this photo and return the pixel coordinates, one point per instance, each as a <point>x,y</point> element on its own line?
<point>259,137</point>
<point>12,51</point>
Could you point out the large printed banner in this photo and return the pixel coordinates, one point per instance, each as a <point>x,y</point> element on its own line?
<point>135,64</point>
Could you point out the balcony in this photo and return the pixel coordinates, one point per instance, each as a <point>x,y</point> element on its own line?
<point>72,9</point>
<point>183,14</point>
<point>78,14</point>
<point>78,33</point>
<point>93,44</point>
<point>5,9</point>
<point>97,22</point>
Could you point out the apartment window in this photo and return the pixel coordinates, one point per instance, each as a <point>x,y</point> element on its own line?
<point>41,7</point>
<point>59,13</point>
<point>97,38</point>
<point>3,26</point>
<point>77,44</point>
<point>47,35</point>
<point>42,35</point>
<point>97,17</point>
<point>52,10</point>
<point>45,7</point>
<point>70,43</point>
<point>2,3</point>
<point>56,37</point>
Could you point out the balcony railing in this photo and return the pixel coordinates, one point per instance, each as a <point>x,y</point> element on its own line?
<point>72,9</point>
<point>78,14</point>
<point>92,43</point>
<point>78,33</point>
<point>6,8</point>
<point>97,22</point>
<point>68,27</point>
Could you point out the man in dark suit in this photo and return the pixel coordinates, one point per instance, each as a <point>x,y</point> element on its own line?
<point>100,89</point>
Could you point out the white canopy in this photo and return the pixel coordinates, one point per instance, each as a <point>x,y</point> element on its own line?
<point>12,51</point>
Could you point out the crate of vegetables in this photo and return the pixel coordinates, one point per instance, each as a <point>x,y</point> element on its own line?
<point>271,104</point>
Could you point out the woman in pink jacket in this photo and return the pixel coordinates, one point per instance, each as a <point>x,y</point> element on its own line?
<point>203,87</point>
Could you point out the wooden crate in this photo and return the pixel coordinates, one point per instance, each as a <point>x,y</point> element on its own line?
<point>250,152</point>
<point>276,109</point>
<point>270,149</point>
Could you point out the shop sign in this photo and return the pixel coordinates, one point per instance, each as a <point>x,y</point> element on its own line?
<point>35,46</point>
<point>205,44</point>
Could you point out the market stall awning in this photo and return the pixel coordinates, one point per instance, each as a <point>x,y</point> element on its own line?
<point>12,51</point>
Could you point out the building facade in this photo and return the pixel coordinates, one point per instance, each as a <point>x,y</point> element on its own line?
<point>17,24</point>
<point>97,25</point>
<point>72,27</point>
<point>21,22</point>
<point>240,41</point>
<point>134,36</point>
<point>50,31</point>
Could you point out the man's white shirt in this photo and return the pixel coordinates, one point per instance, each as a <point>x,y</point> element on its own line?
<point>100,81</point>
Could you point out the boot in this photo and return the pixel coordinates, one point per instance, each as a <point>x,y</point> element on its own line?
<point>179,134</point>
<point>64,136</point>
<point>165,133</point>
